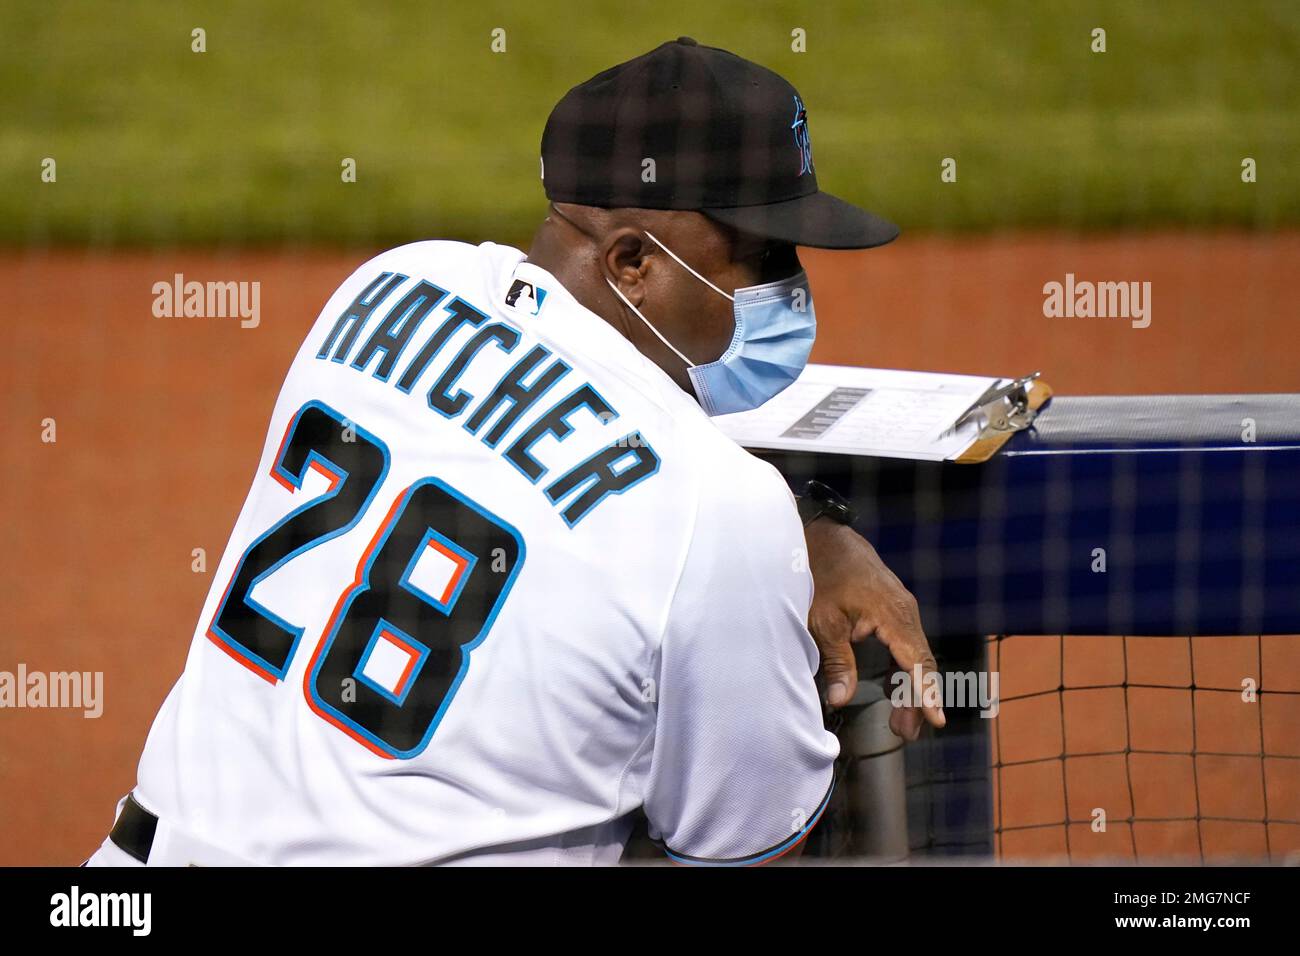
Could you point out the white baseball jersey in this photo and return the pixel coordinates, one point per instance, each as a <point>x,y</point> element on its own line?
<point>498,583</point>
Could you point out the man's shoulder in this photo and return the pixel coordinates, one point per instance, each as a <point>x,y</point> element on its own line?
<point>745,534</point>
<point>431,256</point>
<point>731,479</point>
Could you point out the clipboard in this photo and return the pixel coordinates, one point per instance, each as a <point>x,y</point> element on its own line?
<point>890,413</point>
<point>1005,411</point>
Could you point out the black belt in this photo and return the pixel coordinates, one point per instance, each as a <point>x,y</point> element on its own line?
<point>133,832</point>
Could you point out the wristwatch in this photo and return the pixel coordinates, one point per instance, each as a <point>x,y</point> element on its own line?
<point>818,500</point>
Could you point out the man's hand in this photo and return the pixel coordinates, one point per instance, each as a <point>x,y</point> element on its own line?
<point>855,596</point>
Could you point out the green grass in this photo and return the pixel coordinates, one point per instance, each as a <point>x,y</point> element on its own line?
<point>159,145</point>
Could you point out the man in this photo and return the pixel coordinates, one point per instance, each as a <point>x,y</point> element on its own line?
<point>500,582</point>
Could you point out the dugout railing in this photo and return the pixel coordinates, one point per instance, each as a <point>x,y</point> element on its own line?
<point>1113,521</point>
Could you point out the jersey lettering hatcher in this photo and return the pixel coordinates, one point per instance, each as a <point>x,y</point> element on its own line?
<point>584,484</point>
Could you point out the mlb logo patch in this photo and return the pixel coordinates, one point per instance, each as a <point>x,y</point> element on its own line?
<point>525,297</point>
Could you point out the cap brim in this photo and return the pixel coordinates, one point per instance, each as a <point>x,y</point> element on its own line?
<point>819,220</point>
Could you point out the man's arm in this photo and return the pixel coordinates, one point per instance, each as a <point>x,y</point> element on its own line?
<point>742,765</point>
<point>856,596</point>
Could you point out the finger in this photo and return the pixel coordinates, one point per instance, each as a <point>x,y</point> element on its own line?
<point>935,716</point>
<point>929,692</point>
<point>839,669</point>
<point>906,722</point>
<point>922,666</point>
<point>909,648</point>
<point>931,701</point>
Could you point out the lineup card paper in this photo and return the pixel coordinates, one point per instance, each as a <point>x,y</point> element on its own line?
<point>865,411</point>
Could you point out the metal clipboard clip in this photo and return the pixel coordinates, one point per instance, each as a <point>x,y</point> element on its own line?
<point>1005,407</point>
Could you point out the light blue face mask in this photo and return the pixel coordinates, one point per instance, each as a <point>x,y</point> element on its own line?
<point>775,328</point>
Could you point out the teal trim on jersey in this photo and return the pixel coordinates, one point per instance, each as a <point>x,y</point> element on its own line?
<point>764,855</point>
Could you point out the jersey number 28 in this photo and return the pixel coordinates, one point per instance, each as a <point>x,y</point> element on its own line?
<point>398,642</point>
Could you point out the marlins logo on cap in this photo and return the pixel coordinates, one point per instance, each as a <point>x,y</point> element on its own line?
<point>800,127</point>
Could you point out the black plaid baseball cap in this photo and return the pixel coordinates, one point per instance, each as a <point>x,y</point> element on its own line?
<point>687,126</point>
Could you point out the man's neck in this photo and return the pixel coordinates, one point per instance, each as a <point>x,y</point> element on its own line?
<point>547,252</point>
<point>573,271</point>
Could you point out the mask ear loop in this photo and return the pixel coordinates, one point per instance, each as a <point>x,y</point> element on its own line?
<point>648,325</point>
<point>688,268</point>
<point>635,311</point>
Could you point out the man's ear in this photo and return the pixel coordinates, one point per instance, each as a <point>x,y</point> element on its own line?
<point>626,259</point>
